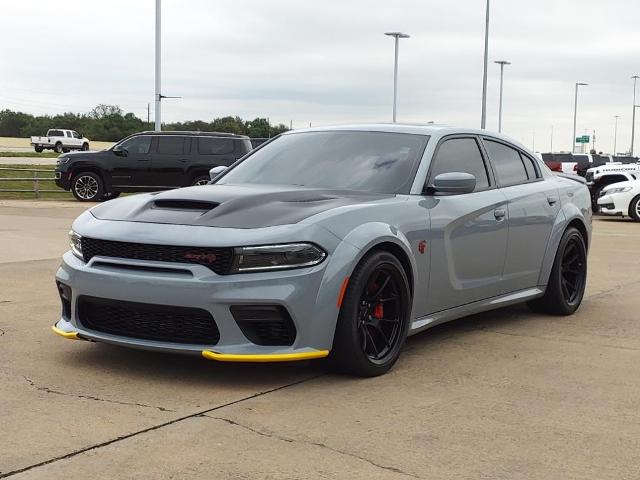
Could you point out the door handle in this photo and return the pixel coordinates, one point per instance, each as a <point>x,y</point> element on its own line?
<point>499,214</point>
<point>144,159</point>
<point>552,200</point>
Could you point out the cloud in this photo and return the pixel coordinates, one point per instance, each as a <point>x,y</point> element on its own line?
<point>329,62</point>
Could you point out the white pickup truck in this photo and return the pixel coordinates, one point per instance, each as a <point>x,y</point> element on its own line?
<point>60,141</point>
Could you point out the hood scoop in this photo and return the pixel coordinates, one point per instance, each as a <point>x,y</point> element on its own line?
<point>180,204</point>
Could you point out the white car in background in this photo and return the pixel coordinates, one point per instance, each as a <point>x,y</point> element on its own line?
<point>622,199</point>
<point>60,140</point>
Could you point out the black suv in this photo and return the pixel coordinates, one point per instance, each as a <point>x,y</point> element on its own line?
<point>148,161</point>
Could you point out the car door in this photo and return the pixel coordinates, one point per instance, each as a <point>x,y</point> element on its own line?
<point>533,205</point>
<point>468,232</point>
<point>76,139</point>
<point>130,162</point>
<point>170,160</point>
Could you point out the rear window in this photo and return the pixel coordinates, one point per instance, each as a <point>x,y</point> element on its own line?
<point>582,161</point>
<point>55,133</point>
<point>215,146</point>
<point>507,162</point>
<point>171,145</point>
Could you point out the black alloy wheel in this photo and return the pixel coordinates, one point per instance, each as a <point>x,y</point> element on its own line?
<point>374,317</point>
<point>568,279</point>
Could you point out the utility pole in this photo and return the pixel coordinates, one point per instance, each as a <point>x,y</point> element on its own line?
<point>148,115</point>
<point>483,120</point>
<point>575,116</point>
<point>593,141</point>
<point>615,135</point>
<point>397,36</point>
<point>502,63</point>
<point>633,117</point>
<point>158,126</point>
<point>551,148</point>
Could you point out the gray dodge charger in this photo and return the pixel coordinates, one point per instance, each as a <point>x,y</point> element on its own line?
<point>333,242</point>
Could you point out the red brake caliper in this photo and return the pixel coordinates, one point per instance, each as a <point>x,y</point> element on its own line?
<point>378,311</point>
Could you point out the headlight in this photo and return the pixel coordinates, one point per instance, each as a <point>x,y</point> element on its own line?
<point>617,190</point>
<point>75,242</point>
<point>62,160</point>
<point>277,257</point>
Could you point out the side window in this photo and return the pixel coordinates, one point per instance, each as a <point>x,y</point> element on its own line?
<point>55,133</point>
<point>530,166</point>
<point>170,145</point>
<point>215,146</point>
<point>461,155</point>
<point>137,145</point>
<point>507,163</point>
<point>67,134</point>
<point>75,135</point>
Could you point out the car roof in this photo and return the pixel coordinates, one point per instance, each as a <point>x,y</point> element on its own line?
<point>431,129</point>
<point>194,134</point>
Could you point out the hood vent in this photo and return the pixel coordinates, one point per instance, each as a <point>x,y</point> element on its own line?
<point>186,204</point>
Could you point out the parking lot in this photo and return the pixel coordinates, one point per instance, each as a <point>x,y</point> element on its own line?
<point>506,394</point>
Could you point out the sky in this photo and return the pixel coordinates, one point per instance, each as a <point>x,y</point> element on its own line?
<point>328,62</point>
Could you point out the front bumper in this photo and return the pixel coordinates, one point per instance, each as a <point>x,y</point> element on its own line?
<point>119,280</point>
<point>613,205</point>
<point>63,179</point>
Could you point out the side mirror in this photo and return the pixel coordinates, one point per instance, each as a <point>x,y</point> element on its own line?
<point>121,152</point>
<point>454,182</point>
<point>216,171</point>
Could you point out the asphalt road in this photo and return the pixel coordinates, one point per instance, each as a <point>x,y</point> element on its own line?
<point>502,395</point>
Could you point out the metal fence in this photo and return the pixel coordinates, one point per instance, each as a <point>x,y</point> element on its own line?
<point>34,177</point>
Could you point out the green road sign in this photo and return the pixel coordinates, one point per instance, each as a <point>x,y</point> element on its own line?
<point>583,139</point>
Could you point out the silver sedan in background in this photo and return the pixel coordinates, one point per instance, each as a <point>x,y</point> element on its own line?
<point>330,242</point>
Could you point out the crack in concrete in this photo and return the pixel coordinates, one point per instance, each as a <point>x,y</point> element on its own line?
<point>553,339</point>
<point>316,444</point>
<point>90,397</point>
<point>150,429</point>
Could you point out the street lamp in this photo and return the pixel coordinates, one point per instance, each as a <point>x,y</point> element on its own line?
<point>615,134</point>
<point>575,116</point>
<point>397,36</point>
<point>483,120</point>
<point>158,96</point>
<point>633,117</point>
<point>502,63</point>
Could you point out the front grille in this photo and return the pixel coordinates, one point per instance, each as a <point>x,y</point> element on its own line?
<point>589,177</point>
<point>148,322</point>
<point>265,324</point>
<point>219,260</point>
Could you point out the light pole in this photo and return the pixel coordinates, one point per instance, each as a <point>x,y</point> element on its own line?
<point>502,63</point>
<point>483,121</point>
<point>633,117</point>
<point>158,96</point>
<point>615,134</point>
<point>397,36</point>
<point>575,116</point>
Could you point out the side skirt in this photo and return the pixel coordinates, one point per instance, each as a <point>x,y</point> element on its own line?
<point>492,303</point>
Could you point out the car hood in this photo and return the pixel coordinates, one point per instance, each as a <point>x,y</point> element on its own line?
<point>231,206</point>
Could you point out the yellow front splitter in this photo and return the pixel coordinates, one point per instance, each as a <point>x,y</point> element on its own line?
<point>263,358</point>
<point>62,333</point>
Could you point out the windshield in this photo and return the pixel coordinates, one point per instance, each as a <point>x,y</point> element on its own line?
<point>375,162</point>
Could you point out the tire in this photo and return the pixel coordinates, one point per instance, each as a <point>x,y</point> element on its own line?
<point>109,196</point>
<point>634,209</point>
<point>87,187</point>
<point>568,278</point>
<point>38,149</point>
<point>85,147</point>
<point>202,180</point>
<point>58,148</point>
<point>369,333</point>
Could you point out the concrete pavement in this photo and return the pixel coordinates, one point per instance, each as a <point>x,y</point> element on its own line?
<point>506,394</point>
